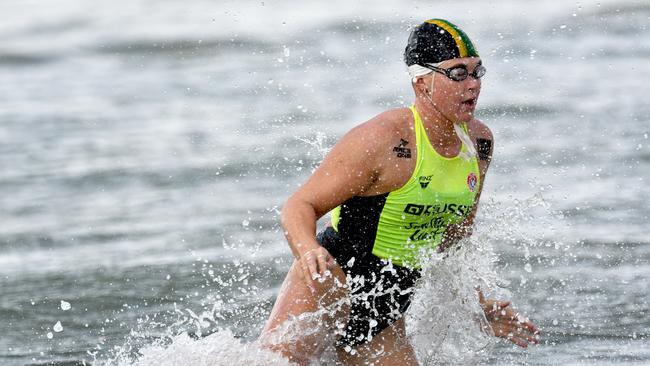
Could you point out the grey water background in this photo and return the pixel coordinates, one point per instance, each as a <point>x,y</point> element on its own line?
<point>146,149</point>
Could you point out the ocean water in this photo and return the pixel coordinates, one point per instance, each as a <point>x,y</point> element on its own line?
<point>146,149</point>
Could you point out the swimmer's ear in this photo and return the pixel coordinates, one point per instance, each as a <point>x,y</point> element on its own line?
<point>420,85</point>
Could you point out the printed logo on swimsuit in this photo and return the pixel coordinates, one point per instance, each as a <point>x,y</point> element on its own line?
<point>437,209</point>
<point>425,180</point>
<point>471,182</point>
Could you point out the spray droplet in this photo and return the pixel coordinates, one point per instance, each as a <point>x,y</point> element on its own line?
<point>50,335</point>
<point>350,262</point>
<point>65,305</point>
<point>58,327</point>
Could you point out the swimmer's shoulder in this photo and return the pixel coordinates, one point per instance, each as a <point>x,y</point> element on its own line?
<point>479,130</point>
<point>483,140</point>
<point>386,127</point>
<point>370,142</point>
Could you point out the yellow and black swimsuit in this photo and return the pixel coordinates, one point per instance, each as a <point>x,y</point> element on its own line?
<point>379,240</point>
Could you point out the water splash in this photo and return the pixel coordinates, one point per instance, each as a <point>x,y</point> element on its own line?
<point>445,320</point>
<point>318,144</point>
<point>218,349</point>
<point>444,323</point>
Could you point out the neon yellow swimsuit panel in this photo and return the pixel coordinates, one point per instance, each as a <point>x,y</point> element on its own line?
<point>440,192</point>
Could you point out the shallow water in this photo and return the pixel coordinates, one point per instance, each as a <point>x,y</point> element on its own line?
<point>146,150</point>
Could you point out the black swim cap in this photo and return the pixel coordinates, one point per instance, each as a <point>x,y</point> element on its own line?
<point>437,40</point>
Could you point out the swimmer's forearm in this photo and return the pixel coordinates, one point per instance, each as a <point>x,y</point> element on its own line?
<point>298,220</point>
<point>457,232</point>
<point>454,234</point>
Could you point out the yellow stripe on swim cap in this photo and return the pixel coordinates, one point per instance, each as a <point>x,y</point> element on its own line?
<point>462,47</point>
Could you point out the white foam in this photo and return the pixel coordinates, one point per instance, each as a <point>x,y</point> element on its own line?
<point>218,349</point>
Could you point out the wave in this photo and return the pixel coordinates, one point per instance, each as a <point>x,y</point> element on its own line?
<point>25,60</point>
<point>621,8</point>
<point>371,28</point>
<point>164,177</point>
<point>515,110</point>
<point>184,47</point>
<point>61,363</point>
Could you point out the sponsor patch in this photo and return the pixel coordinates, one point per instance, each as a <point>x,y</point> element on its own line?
<point>471,182</point>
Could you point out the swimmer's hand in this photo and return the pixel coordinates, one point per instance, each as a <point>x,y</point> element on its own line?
<point>316,264</point>
<point>508,323</point>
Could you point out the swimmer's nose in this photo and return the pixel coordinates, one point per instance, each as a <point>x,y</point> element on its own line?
<point>473,84</point>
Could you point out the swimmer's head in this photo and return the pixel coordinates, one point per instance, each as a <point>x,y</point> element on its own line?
<point>435,41</point>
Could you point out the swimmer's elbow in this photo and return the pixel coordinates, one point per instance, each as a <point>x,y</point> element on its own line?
<point>295,209</point>
<point>287,212</point>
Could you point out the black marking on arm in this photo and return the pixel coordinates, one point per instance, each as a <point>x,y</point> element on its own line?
<point>401,150</point>
<point>484,148</point>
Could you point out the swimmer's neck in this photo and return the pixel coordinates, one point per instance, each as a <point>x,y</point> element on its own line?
<point>440,129</point>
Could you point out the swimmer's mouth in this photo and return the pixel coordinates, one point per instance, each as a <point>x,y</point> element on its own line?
<point>470,102</point>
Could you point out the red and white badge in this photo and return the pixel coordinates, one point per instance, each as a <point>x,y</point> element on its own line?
<point>471,182</point>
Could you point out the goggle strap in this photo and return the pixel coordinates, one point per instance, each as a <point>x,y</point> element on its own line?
<point>415,71</point>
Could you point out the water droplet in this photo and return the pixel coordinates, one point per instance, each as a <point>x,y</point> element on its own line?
<point>50,335</point>
<point>350,262</point>
<point>65,305</point>
<point>58,327</point>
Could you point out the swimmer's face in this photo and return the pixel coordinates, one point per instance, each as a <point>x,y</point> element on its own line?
<point>456,100</point>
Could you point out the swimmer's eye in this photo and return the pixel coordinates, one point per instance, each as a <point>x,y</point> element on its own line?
<point>479,71</point>
<point>459,73</point>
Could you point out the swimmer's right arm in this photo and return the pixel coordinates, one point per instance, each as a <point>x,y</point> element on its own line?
<point>348,170</point>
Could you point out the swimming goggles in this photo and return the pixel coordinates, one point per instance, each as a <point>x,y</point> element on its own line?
<point>458,73</point>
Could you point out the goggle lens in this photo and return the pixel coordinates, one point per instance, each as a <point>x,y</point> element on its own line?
<point>459,73</point>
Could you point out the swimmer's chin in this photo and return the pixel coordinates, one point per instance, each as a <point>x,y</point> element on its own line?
<point>465,116</point>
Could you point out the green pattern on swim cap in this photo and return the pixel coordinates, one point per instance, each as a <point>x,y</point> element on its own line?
<point>437,40</point>
<point>465,46</point>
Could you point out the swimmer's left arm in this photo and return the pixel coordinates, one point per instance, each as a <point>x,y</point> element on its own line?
<point>484,143</point>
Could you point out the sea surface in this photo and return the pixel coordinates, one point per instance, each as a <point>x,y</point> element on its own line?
<point>147,147</point>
